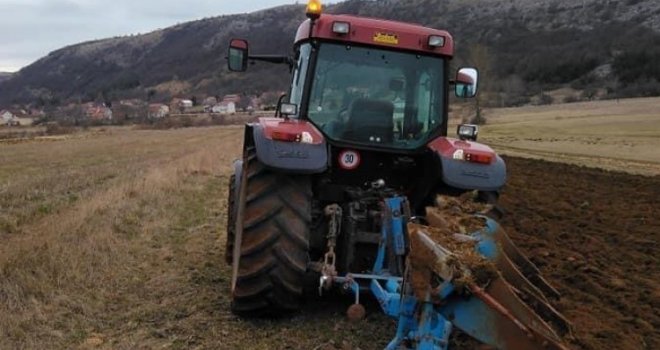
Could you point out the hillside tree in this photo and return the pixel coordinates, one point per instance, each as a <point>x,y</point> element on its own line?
<point>480,58</point>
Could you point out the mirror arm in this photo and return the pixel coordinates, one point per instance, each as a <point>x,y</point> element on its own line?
<point>279,105</point>
<point>452,82</point>
<point>272,59</point>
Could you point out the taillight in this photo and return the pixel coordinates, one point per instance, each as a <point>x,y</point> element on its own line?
<point>478,158</point>
<point>286,136</point>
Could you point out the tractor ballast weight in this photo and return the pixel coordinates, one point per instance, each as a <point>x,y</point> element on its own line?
<point>329,186</point>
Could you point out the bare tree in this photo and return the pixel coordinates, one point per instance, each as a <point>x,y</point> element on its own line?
<point>479,56</point>
<point>243,103</point>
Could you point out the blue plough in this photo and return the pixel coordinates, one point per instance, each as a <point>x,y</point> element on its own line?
<point>496,314</point>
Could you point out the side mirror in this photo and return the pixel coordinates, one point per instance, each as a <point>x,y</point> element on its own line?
<point>238,55</point>
<point>467,82</point>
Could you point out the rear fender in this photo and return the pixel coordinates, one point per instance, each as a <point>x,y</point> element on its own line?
<point>465,175</point>
<point>306,152</point>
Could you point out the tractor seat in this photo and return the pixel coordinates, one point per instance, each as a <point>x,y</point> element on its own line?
<point>370,121</point>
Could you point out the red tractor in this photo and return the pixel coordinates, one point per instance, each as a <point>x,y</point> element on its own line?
<point>365,121</point>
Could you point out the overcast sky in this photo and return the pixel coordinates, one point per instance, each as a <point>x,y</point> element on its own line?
<point>30,29</point>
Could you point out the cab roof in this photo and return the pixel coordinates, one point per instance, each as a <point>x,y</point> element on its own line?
<point>378,32</point>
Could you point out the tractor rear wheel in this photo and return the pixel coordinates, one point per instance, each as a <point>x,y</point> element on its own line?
<point>271,263</point>
<point>231,220</point>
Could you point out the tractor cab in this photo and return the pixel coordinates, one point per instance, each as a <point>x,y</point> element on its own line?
<point>366,82</point>
<point>376,97</point>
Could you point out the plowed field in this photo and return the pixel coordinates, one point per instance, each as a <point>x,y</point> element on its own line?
<point>595,235</point>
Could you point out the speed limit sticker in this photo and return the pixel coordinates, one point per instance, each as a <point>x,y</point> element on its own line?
<point>349,160</point>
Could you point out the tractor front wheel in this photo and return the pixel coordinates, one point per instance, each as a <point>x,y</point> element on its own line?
<point>269,266</point>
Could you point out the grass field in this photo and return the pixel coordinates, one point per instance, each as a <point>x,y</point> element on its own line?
<point>114,238</point>
<point>614,134</point>
<point>92,235</point>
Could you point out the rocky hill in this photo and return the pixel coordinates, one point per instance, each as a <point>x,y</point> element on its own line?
<point>522,46</point>
<point>5,76</point>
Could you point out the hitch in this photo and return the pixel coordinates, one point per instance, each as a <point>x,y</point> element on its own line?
<point>493,312</point>
<point>329,269</point>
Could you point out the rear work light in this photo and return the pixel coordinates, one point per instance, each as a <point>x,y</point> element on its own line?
<point>468,132</point>
<point>341,28</point>
<point>288,109</point>
<point>436,41</point>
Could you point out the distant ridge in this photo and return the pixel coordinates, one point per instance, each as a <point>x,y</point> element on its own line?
<point>5,76</point>
<point>531,46</point>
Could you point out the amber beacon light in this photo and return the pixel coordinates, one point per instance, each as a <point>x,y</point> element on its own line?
<point>314,8</point>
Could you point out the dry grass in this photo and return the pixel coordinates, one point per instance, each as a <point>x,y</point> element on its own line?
<point>114,240</point>
<point>615,135</point>
<point>79,215</point>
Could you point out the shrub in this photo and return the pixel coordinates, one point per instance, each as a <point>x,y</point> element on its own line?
<point>515,100</point>
<point>545,99</point>
<point>53,129</point>
<point>589,94</point>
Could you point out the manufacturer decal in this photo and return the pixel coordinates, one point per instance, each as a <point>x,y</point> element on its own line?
<point>385,38</point>
<point>292,154</point>
<point>349,160</point>
<point>475,174</point>
<point>288,150</point>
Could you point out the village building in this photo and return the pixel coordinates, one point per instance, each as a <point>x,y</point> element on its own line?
<point>36,113</point>
<point>181,105</point>
<point>6,115</point>
<point>232,98</point>
<point>131,102</point>
<point>224,107</point>
<point>175,103</point>
<point>186,104</point>
<point>98,112</point>
<point>210,101</point>
<point>8,118</point>
<point>158,110</point>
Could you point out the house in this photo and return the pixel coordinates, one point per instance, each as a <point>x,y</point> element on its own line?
<point>256,103</point>
<point>181,105</point>
<point>158,110</point>
<point>8,118</point>
<point>124,111</point>
<point>97,112</point>
<point>238,101</point>
<point>131,102</point>
<point>6,115</point>
<point>36,113</point>
<point>224,107</point>
<point>175,103</point>
<point>186,104</point>
<point>26,121</point>
<point>210,101</point>
<point>232,98</point>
